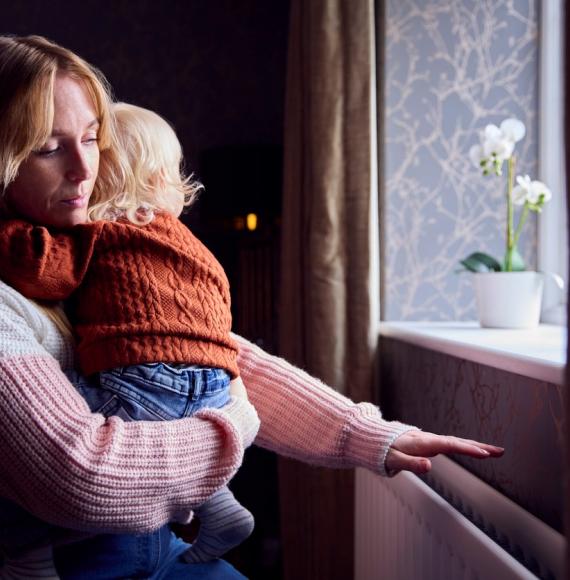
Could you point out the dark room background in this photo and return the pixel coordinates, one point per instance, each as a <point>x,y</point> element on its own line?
<point>215,69</point>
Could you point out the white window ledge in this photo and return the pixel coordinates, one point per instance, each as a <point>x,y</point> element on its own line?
<point>539,353</point>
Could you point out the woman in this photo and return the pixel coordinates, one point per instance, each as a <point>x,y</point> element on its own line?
<point>126,481</point>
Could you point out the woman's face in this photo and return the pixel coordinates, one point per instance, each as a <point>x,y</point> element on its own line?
<point>55,182</point>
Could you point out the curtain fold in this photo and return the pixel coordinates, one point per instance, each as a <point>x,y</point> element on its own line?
<point>330,291</point>
<point>329,302</point>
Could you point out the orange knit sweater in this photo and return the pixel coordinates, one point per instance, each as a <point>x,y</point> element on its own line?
<point>138,293</point>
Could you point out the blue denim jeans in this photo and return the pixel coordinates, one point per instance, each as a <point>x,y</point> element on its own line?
<point>156,392</point>
<point>155,556</point>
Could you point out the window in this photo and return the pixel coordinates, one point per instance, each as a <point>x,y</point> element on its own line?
<point>552,225</point>
<point>448,69</point>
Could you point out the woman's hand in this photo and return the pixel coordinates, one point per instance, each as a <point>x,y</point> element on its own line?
<point>411,450</point>
<point>237,389</point>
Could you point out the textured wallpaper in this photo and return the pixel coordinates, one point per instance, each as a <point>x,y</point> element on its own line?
<point>451,68</point>
<point>445,394</point>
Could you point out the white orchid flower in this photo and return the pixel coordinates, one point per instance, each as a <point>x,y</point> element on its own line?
<point>537,190</point>
<point>513,129</point>
<point>491,132</point>
<point>497,144</point>
<point>522,190</point>
<point>496,147</point>
<point>531,191</point>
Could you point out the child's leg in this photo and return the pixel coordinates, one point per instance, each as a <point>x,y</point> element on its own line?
<point>224,523</point>
<point>158,391</point>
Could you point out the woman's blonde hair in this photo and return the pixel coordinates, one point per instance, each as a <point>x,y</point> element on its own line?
<point>153,177</point>
<point>28,69</point>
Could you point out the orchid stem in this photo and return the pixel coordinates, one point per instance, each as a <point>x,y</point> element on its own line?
<point>510,211</point>
<point>522,220</point>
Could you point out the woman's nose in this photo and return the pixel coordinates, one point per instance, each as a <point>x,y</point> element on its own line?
<point>79,167</point>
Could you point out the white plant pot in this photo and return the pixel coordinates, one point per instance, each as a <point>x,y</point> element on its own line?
<point>509,299</point>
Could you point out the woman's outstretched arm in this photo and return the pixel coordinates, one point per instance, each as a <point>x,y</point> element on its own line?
<point>76,469</point>
<point>304,419</point>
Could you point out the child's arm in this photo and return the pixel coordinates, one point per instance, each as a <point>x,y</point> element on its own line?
<point>44,265</point>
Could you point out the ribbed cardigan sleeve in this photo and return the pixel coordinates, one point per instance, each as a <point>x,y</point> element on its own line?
<point>76,469</point>
<point>304,419</point>
<point>80,470</point>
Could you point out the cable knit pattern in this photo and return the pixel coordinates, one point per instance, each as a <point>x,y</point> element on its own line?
<point>304,419</point>
<point>301,417</point>
<point>140,293</point>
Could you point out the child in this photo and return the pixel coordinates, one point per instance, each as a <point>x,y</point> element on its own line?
<point>150,304</point>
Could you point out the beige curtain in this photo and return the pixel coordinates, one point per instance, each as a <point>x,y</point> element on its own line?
<point>330,293</point>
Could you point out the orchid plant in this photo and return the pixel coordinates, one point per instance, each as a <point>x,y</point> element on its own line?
<point>489,156</point>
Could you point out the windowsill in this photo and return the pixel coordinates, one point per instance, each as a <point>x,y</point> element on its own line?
<point>539,353</point>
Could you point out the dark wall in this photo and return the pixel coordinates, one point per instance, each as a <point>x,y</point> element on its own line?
<point>214,68</point>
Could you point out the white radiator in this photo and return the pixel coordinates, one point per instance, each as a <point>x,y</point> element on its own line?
<point>406,531</point>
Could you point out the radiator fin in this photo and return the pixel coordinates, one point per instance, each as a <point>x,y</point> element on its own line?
<point>406,531</point>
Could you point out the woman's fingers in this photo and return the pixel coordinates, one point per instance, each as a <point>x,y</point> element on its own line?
<point>470,447</point>
<point>412,448</point>
<point>430,444</point>
<point>398,461</point>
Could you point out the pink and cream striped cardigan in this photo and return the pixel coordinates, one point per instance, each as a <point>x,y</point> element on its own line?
<point>79,470</point>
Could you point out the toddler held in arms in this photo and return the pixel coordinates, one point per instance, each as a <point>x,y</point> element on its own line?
<point>149,304</point>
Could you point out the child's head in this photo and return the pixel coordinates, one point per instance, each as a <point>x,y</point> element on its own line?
<point>154,179</point>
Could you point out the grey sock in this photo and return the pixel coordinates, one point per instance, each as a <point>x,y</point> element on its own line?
<point>224,523</point>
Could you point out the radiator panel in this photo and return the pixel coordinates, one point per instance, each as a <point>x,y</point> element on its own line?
<point>406,531</point>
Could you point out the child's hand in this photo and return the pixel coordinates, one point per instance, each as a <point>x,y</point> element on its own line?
<point>237,389</point>
<point>411,450</point>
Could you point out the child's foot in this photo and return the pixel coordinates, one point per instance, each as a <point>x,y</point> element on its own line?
<point>224,523</point>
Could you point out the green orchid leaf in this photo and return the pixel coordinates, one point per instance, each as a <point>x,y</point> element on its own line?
<point>480,262</point>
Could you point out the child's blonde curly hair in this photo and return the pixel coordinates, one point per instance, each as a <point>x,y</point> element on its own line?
<point>150,177</point>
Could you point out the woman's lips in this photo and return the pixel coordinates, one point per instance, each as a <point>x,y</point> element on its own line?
<point>76,202</point>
